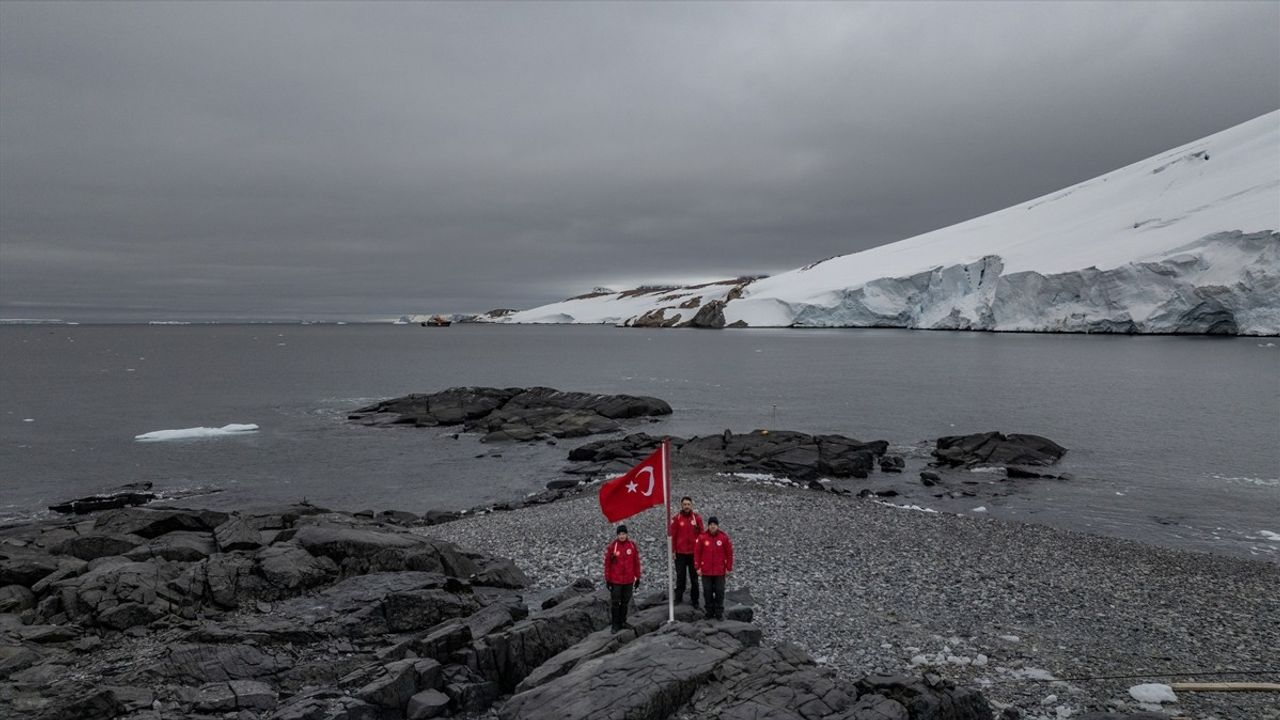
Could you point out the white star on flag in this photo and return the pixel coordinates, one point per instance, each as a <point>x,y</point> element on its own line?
<point>631,487</point>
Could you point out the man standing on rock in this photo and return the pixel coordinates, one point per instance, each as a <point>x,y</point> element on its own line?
<point>622,575</point>
<point>713,558</point>
<point>685,528</point>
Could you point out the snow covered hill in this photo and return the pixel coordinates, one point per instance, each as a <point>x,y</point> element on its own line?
<point>1187,241</point>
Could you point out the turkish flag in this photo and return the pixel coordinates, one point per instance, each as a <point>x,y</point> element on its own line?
<point>644,486</point>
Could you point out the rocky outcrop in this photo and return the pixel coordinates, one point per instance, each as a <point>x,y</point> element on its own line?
<point>513,414</point>
<point>710,316</point>
<point>339,616</point>
<point>783,453</point>
<point>995,448</point>
<point>123,496</point>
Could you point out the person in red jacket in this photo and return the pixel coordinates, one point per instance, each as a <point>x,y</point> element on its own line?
<point>713,558</point>
<point>685,528</point>
<point>622,575</point>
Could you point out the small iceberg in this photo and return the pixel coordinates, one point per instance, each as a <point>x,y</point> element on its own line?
<point>196,432</point>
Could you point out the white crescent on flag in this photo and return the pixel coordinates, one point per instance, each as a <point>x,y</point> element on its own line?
<point>648,470</point>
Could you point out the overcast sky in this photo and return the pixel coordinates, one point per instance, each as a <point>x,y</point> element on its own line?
<point>327,160</point>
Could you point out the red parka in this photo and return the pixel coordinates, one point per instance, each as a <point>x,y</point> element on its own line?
<point>621,563</point>
<point>713,554</point>
<point>684,532</point>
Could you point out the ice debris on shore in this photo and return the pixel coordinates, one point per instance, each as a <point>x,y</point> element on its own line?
<point>197,432</point>
<point>1153,693</point>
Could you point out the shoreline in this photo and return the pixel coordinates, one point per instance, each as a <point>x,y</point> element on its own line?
<point>998,605</point>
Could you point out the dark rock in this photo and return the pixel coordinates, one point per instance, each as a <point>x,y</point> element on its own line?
<point>709,316</point>
<point>154,522</point>
<point>236,534</point>
<point>50,633</point>
<point>178,546</point>
<point>127,615</point>
<point>777,682</point>
<point>15,658</point>
<point>381,603</point>
<point>124,496</point>
<point>498,572</point>
<point>563,484</point>
<point>427,704</point>
<point>117,581</point>
<point>197,663</point>
<point>878,707</point>
<point>928,697</point>
<point>435,517</point>
<point>96,545</point>
<point>289,569</point>
<point>235,695</point>
<point>23,567</point>
<point>397,517</point>
<point>326,704</point>
<point>16,598</point>
<point>998,449</point>
<point>784,453</point>
<point>579,586</point>
<point>512,414</point>
<point>929,478</point>
<point>652,676</point>
<point>100,705</point>
<point>892,464</point>
<point>397,682</point>
<point>443,640</point>
<point>468,691</point>
<point>507,657</point>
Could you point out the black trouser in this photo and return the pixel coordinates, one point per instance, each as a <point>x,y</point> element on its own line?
<point>713,592</point>
<point>619,604</point>
<point>684,567</point>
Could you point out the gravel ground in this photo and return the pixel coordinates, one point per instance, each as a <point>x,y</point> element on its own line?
<point>1004,606</point>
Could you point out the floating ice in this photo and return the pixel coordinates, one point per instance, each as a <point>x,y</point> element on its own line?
<point>1153,693</point>
<point>196,432</point>
<point>28,419</point>
<point>1268,535</point>
<point>980,508</point>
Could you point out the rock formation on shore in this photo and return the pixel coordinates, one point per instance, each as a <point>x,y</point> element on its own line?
<point>305,614</point>
<point>784,453</point>
<point>513,414</point>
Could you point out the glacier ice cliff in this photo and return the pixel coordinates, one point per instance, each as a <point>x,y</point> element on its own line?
<point>1226,283</point>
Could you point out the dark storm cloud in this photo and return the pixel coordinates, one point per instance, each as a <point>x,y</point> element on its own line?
<point>293,159</point>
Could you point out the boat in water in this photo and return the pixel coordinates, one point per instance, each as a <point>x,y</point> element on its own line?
<point>437,321</point>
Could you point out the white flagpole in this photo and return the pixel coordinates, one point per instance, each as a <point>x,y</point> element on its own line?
<point>666,490</point>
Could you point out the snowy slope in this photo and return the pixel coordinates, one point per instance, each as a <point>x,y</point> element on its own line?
<point>1187,241</point>
<point>1131,251</point>
<point>650,307</point>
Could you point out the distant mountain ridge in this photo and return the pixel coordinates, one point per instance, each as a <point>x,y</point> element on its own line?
<point>1187,241</point>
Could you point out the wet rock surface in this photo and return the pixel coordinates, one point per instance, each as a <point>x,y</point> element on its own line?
<point>513,414</point>
<point>785,453</point>
<point>996,448</point>
<point>305,614</point>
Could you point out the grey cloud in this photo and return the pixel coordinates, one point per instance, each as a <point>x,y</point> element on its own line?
<point>372,159</point>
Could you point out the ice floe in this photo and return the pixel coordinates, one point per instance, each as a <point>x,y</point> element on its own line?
<point>196,432</point>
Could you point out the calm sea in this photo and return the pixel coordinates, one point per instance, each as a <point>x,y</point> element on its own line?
<point>1173,440</point>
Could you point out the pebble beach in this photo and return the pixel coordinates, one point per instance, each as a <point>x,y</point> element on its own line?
<point>1042,620</point>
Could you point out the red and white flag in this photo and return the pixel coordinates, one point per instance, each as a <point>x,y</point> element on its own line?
<point>644,486</point>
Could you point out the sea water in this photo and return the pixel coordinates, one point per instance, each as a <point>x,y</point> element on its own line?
<point>1172,440</point>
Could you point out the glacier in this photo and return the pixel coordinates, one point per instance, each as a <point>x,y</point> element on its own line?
<point>1187,241</point>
